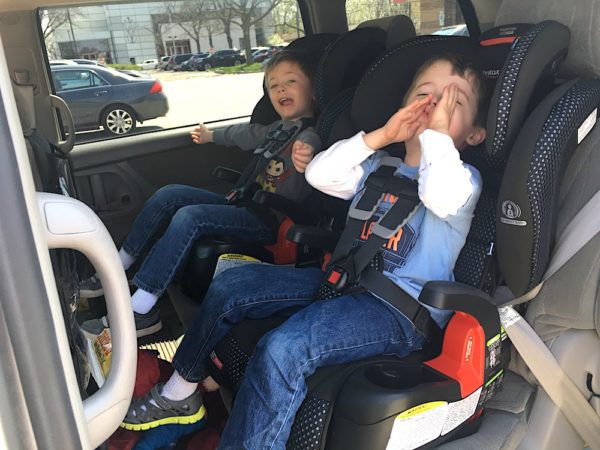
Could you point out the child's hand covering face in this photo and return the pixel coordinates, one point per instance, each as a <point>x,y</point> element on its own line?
<point>302,154</point>
<point>441,115</point>
<point>407,120</point>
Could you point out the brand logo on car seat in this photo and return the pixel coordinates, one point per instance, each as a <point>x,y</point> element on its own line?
<point>510,213</point>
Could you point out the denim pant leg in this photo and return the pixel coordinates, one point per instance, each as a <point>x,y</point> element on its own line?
<point>189,224</point>
<point>254,291</point>
<point>328,332</point>
<point>158,210</point>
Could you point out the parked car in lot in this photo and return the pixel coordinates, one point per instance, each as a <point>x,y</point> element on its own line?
<point>149,64</point>
<point>221,58</point>
<point>261,54</point>
<point>162,64</point>
<point>175,61</point>
<point>100,96</point>
<point>194,62</point>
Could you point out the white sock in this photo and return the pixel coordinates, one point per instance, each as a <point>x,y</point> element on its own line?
<point>126,259</point>
<point>177,388</point>
<point>143,301</point>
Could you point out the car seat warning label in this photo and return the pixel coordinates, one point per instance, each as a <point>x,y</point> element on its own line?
<point>418,425</point>
<point>424,423</point>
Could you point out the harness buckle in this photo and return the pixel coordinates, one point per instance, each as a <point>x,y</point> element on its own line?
<point>232,196</point>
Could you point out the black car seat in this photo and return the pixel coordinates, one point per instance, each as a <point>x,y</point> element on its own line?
<point>340,67</point>
<point>370,404</point>
<point>550,394</point>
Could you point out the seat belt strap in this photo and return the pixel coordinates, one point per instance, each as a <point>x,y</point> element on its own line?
<point>551,376</point>
<point>580,230</point>
<point>395,296</point>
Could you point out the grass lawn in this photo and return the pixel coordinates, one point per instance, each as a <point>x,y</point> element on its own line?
<point>252,68</point>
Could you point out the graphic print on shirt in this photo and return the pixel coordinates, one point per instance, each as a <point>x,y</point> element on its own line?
<point>276,171</point>
<point>396,250</point>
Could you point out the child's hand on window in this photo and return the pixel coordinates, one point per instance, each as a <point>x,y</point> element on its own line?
<point>201,134</point>
<point>302,153</point>
<point>441,116</point>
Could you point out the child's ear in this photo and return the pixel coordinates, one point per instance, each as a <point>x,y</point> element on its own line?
<point>476,137</point>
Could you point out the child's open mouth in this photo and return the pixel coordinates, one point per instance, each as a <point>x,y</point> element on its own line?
<point>285,101</point>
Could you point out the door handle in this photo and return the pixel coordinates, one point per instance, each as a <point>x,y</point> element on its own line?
<point>99,93</point>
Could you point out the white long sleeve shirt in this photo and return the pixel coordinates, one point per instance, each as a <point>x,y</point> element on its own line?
<point>427,247</point>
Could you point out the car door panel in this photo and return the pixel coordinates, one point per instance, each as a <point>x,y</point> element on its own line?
<point>116,177</point>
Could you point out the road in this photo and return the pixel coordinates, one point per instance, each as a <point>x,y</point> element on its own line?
<point>199,97</point>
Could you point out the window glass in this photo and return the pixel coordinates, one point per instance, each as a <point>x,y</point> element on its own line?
<point>428,16</point>
<point>200,46</point>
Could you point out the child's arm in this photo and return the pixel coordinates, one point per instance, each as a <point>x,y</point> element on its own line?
<point>339,170</point>
<point>201,134</point>
<point>445,183</point>
<point>247,136</point>
<point>305,146</point>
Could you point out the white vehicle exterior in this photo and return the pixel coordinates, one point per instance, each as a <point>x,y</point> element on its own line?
<point>149,64</point>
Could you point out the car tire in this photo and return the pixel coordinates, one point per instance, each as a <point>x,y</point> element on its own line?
<point>237,62</point>
<point>118,120</point>
<point>207,66</point>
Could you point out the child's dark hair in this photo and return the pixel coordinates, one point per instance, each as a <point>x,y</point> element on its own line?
<point>463,67</point>
<point>306,63</point>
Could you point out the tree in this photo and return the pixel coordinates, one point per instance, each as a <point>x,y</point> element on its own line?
<point>245,14</point>
<point>287,19</point>
<point>192,16</point>
<point>54,18</point>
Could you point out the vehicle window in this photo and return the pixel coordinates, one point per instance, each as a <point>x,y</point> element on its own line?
<point>129,36</point>
<point>429,17</point>
<point>77,79</point>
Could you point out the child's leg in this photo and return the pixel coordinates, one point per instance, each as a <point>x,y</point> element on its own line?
<point>253,291</point>
<point>327,332</point>
<point>158,211</point>
<point>189,224</point>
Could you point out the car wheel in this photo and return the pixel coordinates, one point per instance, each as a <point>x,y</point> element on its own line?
<point>207,66</point>
<point>118,120</point>
<point>237,62</point>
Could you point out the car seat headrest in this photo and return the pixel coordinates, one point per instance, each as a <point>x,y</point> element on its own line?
<point>528,199</point>
<point>382,89</point>
<point>494,47</point>
<point>314,45</point>
<point>528,74</point>
<point>25,105</point>
<point>398,28</point>
<point>579,16</point>
<point>344,62</point>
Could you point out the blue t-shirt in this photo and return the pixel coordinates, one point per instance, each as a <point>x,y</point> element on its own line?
<point>427,247</point>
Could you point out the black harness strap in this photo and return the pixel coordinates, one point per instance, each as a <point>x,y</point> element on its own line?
<point>352,269</point>
<point>276,141</point>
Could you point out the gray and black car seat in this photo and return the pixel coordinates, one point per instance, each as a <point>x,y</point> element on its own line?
<point>52,173</point>
<point>550,398</point>
<point>341,65</point>
<point>384,402</point>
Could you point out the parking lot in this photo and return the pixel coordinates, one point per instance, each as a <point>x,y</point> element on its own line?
<point>199,97</point>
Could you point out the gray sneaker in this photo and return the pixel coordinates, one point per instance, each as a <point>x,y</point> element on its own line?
<point>153,410</point>
<point>91,287</point>
<point>145,324</point>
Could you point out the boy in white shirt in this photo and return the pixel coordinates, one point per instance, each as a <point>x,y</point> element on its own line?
<point>445,114</point>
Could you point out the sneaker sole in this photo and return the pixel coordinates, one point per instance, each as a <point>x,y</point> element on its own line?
<point>177,420</point>
<point>150,330</point>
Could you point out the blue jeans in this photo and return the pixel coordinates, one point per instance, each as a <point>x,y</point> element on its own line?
<point>317,333</point>
<point>180,215</point>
